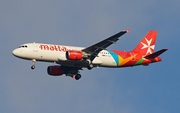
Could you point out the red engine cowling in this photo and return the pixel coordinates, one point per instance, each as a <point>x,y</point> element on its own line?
<point>55,70</point>
<point>74,55</point>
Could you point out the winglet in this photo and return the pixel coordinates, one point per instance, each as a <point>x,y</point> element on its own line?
<point>155,54</point>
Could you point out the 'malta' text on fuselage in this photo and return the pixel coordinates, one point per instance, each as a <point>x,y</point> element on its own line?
<point>53,47</point>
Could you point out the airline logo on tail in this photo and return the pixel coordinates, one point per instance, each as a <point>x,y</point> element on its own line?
<point>147,44</point>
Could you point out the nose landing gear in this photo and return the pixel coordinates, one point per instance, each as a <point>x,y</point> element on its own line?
<point>33,64</point>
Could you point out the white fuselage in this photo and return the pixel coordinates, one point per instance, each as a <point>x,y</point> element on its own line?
<point>57,54</point>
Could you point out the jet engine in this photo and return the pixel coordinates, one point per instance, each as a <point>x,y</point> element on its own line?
<point>55,70</point>
<point>74,55</point>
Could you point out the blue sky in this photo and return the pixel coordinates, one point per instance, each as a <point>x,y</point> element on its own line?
<point>153,88</point>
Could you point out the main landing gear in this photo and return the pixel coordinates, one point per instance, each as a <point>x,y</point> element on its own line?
<point>78,76</point>
<point>33,63</point>
<point>90,66</point>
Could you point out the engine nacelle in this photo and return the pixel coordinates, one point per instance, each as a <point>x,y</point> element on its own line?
<point>55,70</point>
<point>74,55</point>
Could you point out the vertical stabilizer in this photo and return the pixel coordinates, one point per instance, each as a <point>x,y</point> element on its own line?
<point>147,44</point>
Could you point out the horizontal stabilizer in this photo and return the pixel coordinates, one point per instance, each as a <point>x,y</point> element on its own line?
<point>155,54</point>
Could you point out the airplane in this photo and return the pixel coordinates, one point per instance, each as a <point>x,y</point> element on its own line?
<point>71,59</point>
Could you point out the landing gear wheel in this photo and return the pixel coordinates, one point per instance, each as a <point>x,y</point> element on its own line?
<point>78,76</point>
<point>90,66</point>
<point>33,67</point>
<point>33,62</point>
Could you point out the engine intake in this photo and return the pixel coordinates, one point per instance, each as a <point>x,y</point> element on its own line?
<point>74,55</point>
<point>55,70</point>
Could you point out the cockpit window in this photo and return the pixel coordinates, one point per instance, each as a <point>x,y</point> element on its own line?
<point>23,46</point>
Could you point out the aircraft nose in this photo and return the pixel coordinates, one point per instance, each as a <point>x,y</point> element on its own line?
<point>15,52</point>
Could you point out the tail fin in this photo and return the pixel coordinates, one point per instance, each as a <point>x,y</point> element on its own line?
<point>147,44</point>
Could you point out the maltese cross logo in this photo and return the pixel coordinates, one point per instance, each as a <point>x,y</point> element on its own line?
<point>148,45</point>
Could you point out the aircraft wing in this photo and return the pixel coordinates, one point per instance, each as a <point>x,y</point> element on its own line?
<point>96,48</point>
